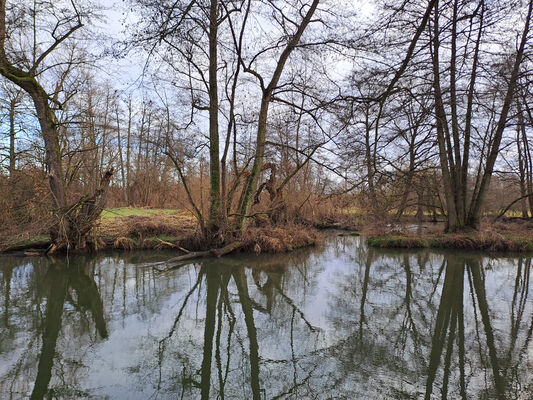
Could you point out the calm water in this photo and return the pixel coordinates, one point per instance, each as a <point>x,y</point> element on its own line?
<point>337,321</point>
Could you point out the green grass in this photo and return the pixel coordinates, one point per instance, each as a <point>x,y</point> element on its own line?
<point>473,241</point>
<point>127,211</point>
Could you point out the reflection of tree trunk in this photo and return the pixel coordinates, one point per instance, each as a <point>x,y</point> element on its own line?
<point>89,299</point>
<point>408,295</point>
<point>458,286</point>
<point>450,301</point>
<point>363,297</point>
<point>218,358</point>
<point>246,304</point>
<point>520,295</point>
<point>6,274</point>
<point>461,342</point>
<point>52,326</point>
<point>273,281</point>
<point>213,282</point>
<point>479,288</point>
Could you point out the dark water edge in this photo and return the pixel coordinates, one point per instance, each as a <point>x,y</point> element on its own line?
<point>339,320</point>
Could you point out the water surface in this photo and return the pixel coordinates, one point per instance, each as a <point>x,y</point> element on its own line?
<point>337,321</point>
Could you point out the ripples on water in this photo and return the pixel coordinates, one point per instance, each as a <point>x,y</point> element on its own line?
<point>336,321</point>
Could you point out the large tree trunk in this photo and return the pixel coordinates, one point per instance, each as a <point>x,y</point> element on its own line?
<point>214,222</point>
<point>47,122</point>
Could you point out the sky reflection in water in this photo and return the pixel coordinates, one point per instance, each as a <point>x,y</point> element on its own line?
<point>336,321</point>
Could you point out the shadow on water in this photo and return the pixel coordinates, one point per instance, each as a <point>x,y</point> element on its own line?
<point>340,321</point>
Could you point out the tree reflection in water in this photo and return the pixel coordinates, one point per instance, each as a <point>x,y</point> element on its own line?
<point>341,321</point>
<point>62,284</point>
<point>226,283</point>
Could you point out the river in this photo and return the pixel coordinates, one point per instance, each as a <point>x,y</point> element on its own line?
<point>335,321</point>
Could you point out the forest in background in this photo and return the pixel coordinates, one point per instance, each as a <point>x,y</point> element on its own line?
<point>271,111</point>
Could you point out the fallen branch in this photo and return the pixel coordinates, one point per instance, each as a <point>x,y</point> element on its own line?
<point>165,243</point>
<point>173,245</point>
<point>178,261</point>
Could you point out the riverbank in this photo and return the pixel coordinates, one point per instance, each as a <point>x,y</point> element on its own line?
<point>154,229</point>
<point>505,236</point>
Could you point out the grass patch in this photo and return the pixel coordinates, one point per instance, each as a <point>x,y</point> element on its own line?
<point>484,241</point>
<point>129,211</point>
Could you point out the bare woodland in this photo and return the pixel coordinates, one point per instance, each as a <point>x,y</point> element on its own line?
<point>262,112</point>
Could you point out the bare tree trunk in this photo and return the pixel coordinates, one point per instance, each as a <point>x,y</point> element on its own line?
<point>128,156</point>
<point>521,173</point>
<point>268,91</point>
<point>446,161</point>
<point>479,198</point>
<point>528,161</point>
<point>105,127</point>
<point>214,222</point>
<point>120,156</point>
<point>12,155</point>
<point>370,170</point>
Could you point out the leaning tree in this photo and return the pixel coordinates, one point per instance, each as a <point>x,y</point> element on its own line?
<point>31,40</point>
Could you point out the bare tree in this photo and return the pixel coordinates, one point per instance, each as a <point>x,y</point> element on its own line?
<point>72,223</point>
<point>469,23</point>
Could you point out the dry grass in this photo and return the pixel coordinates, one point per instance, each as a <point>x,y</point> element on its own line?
<point>511,226</point>
<point>124,243</point>
<point>148,232</point>
<point>176,225</point>
<point>505,235</point>
<point>180,230</point>
<point>278,239</point>
<point>484,241</point>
